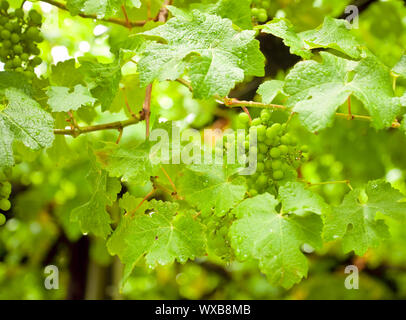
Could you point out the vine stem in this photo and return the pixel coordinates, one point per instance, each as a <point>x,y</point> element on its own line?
<point>233,102</point>
<point>118,125</point>
<point>347,182</point>
<point>121,22</point>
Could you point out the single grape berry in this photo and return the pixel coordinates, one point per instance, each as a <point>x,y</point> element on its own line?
<point>5,5</point>
<point>278,175</point>
<point>15,38</point>
<point>243,117</point>
<point>256,122</point>
<point>19,13</point>
<point>5,189</point>
<point>18,49</point>
<point>36,61</point>
<point>5,205</point>
<point>5,34</point>
<point>275,153</point>
<point>2,219</point>
<point>35,17</point>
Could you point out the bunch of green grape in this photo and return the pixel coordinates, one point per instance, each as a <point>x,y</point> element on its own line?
<point>259,10</point>
<point>5,191</point>
<point>217,234</point>
<point>20,35</point>
<point>278,153</point>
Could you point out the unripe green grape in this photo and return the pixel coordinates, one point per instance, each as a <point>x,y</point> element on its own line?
<point>262,16</point>
<point>265,116</point>
<point>3,20</point>
<point>260,157</point>
<point>246,145</point>
<point>285,139</point>
<point>35,16</point>
<point>9,26</point>
<point>3,53</point>
<point>32,33</point>
<point>5,34</point>
<point>262,181</point>
<point>293,141</point>
<point>255,11</point>
<point>262,147</point>
<point>268,141</point>
<point>25,57</point>
<point>276,141</point>
<point>278,175</point>
<point>260,167</point>
<point>2,219</point>
<point>268,164</point>
<point>35,51</point>
<point>275,153</point>
<point>276,164</point>
<point>253,192</point>
<point>38,38</point>
<point>4,5</point>
<point>7,44</point>
<point>19,13</point>
<point>31,75</point>
<point>17,61</point>
<point>265,4</point>
<point>243,117</point>
<point>256,122</point>
<point>5,205</point>
<point>261,130</point>
<point>18,49</point>
<point>15,38</point>
<point>5,189</point>
<point>284,149</point>
<point>8,65</point>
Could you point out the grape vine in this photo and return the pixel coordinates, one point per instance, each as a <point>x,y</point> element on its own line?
<point>171,72</point>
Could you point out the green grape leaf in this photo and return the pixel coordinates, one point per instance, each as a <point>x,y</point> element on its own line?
<point>283,28</point>
<point>270,89</point>
<point>355,219</point>
<point>22,119</point>
<point>317,90</point>
<point>239,12</point>
<point>208,188</point>
<point>132,163</point>
<point>215,55</point>
<point>93,216</point>
<point>400,68</point>
<point>301,201</point>
<point>274,239</point>
<point>102,79</point>
<point>162,236</point>
<point>62,100</point>
<point>14,80</point>
<point>100,8</point>
<point>334,34</point>
<point>65,74</point>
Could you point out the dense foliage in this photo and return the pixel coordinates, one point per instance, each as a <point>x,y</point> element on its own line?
<point>318,100</point>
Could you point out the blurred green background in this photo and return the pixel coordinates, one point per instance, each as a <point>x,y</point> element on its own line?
<point>47,186</point>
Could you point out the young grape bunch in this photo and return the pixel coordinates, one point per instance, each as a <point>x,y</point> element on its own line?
<point>20,35</point>
<point>259,10</point>
<point>278,153</point>
<point>5,191</point>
